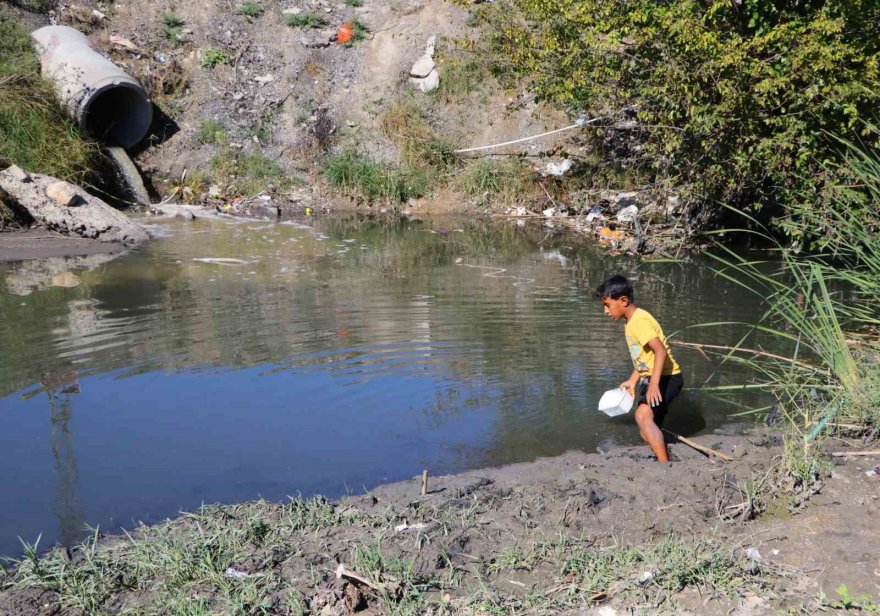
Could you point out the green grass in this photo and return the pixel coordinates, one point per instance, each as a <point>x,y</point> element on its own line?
<point>354,3</point>
<point>250,10</point>
<point>372,181</point>
<point>212,132</point>
<point>213,57</point>
<point>35,133</point>
<point>486,177</point>
<point>307,19</point>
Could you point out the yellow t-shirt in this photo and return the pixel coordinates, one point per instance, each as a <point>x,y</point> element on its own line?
<point>641,329</point>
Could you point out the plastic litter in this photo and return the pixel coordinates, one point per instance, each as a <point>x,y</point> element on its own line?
<point>616,402</point>
<point>344,34</point>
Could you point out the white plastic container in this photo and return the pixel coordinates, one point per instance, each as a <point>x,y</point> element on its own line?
<point>616,402</point>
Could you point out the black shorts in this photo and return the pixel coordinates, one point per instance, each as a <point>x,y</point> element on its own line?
<point>670,387</point>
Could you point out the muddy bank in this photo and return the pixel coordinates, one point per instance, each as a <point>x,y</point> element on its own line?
<point>569,534</point>
<point>39,243</point>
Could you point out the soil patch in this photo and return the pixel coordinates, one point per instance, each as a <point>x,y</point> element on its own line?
<point>569,534</point>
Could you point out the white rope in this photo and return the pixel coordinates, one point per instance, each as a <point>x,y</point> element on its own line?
<point>578,124</point>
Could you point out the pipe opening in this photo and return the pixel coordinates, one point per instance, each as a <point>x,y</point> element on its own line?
<point>119,114</point>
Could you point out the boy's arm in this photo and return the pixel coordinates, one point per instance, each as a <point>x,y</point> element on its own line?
<point>630,383</point>
<point>654,396</point>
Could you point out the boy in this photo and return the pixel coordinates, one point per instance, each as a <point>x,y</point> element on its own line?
<point>655,369</point>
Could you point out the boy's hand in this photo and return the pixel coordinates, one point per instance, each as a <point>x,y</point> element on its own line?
<point>629,386</point>
<point>653,396</point>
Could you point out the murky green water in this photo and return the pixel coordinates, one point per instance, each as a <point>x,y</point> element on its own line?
<point>316,360</point>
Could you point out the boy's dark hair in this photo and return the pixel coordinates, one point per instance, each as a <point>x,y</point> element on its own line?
<point>615,288</point>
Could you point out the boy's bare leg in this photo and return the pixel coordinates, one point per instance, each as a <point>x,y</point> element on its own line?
<point>650,432</point>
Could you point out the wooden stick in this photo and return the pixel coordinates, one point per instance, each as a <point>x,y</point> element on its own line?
<point>424,482</point>
<point>698,447</point>
<point>852,454</point>
<point>342,571</point>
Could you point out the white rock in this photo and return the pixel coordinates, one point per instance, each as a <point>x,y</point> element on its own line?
<point>18,173</point>
<point>549,212</point>
<point>429,83</point>
<point>628,214</point>
<point>422,67</point>
<point>753,554</point>
<point>292,11</point>
<point>432,44</point>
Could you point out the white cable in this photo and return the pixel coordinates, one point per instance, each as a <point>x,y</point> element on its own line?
<point>579,123</point>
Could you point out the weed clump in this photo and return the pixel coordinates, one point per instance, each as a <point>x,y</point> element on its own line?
<point>213,57</point>
<point>250,10</point>
<point>172,27</point>
<point>35,133</point>
<point>212,132</point>
<point>371,180</point>
<point>307,19</point>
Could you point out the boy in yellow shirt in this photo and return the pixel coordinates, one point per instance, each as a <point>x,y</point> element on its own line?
<point>655,369</point>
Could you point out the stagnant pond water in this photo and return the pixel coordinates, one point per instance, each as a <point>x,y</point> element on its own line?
<point>326,359</point>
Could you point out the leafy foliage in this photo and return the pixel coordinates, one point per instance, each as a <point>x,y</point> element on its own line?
<point>733,100</point>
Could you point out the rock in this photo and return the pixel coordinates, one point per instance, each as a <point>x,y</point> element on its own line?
<point>91,219</point>
<point>422,67</point>
<point>173,211</point>
<point>63,193</point>
<point>292,11</point>
<point>19,174</point>
<point>267,211</point>
<point>753,554</point>
<point>65,279</point>
<point>628,214</point>
<point>429,83</point>
<point>314,40</point>
<point>549,212</point>
<point>673,204</point>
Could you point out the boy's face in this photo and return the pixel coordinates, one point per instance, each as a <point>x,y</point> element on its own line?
<point>615,308</point>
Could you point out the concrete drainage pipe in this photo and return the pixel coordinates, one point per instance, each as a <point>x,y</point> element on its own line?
<point>101,98</point>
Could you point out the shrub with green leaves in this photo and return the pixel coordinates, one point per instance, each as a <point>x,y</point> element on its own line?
<point>212,57</point>
<point>733,100</point>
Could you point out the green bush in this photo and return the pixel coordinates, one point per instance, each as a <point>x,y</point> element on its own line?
<point>733,100</point>
<point>35,133</point>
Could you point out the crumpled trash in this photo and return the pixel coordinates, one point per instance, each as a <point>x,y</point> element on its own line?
<point>753,554</point>
<point>628,214</point>
<point>595,213</point>
<point>549,212</point>
<point>558,169</point>
<point>344,34</point>
<point>234,573</point>
<point>645,576</point>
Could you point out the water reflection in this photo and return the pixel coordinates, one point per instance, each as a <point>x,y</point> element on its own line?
<point>231,360</point>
